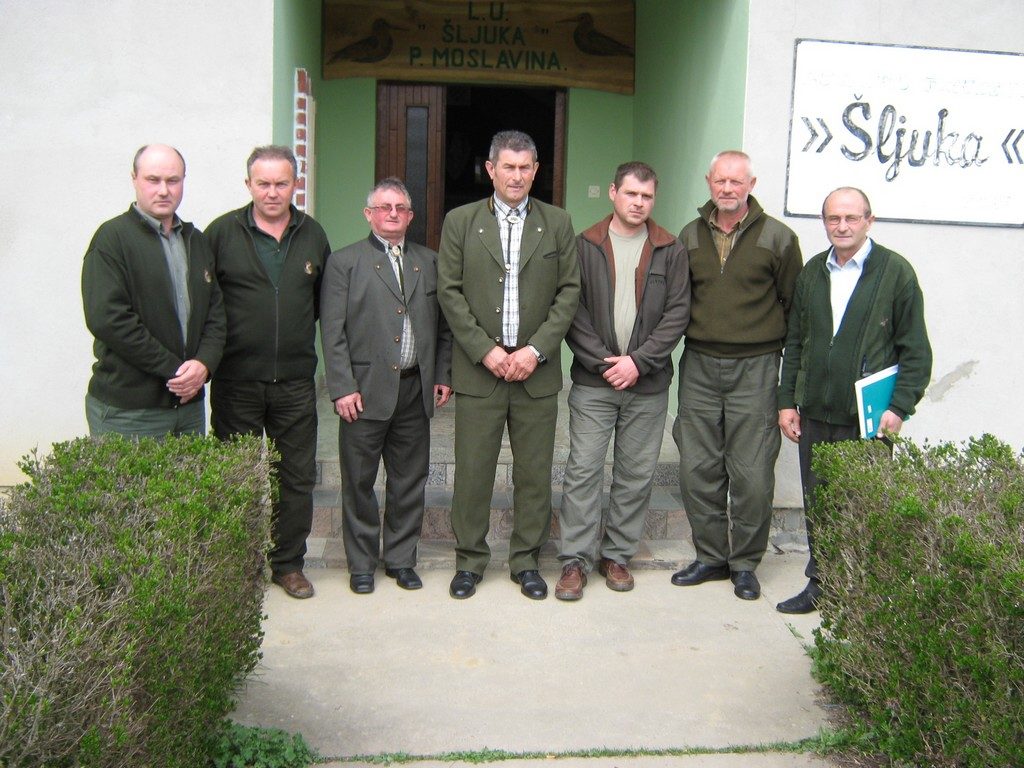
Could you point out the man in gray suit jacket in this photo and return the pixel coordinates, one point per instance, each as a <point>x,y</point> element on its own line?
<point>509,283</point>
<point>387,350</point>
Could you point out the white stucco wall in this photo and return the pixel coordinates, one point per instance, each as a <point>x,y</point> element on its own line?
<point>972,277</point>
<point>82,86</point>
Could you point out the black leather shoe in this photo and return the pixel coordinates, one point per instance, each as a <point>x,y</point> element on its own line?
<point>805,602</point>
<point>361,583</point>
<point>531,584</point>
<point>464,584</point>
<point>406,577</point>
<point>697,573</point>
<point>745,585</point>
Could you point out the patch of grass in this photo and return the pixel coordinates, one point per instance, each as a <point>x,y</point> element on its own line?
<point>827,742</point>
<point>243,746</point>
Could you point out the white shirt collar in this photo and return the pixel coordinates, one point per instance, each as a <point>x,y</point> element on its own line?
<point>387,244</point>
<point>857,260</point>
<point>505,209</point>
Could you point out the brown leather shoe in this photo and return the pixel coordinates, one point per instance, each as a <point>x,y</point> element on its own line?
<point>616,576</point>
<point>570,586</point>
<point>294,583</point>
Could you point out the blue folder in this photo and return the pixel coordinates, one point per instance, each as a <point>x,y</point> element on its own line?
<point>874,393</point>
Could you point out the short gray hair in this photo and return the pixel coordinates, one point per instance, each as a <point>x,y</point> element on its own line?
<point>517,141</point>
<point>393,183</point>
<point>732,153</point>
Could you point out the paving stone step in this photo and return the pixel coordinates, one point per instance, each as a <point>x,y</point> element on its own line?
<point>666,531</point>
<point>666,523</point>
<point>434,554</point>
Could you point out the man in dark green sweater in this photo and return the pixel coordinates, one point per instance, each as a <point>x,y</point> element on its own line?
<point>857,309</point>
<point>269,259</point>
<point>743,266</point>
<point>154,308</point>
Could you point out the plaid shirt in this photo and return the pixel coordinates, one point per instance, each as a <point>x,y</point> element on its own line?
<point>408,353</point>
<point>724,241</point>
<point>511,234</point>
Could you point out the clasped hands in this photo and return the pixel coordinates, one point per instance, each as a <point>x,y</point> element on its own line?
<point>188,380</point>
<point>511,366</point>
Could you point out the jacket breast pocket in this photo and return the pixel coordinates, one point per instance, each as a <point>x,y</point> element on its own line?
<point>655,290</point>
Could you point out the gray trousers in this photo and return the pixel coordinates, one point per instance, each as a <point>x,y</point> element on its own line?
<point>638,422</point>
<point>188,419</point>
<point>728,436</point>
<point>404,443</point>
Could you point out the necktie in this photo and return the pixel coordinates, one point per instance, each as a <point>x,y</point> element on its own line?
<point>512,219</point>
<point>396,252</point>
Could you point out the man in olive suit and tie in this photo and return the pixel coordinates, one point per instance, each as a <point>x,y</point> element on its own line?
<point>509,284</point>
<point>387,352</point>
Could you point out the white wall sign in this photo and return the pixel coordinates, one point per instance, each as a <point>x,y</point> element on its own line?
<point>930,134</point>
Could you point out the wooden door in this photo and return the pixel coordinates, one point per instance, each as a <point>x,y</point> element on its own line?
<point>410,145</point>
<point>412,139</point>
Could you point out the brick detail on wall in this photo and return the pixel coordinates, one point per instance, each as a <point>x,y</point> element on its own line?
<point>302,138</point>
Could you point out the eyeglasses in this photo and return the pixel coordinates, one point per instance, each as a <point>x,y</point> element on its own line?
<point>388,208</point>
<point>834,221</point>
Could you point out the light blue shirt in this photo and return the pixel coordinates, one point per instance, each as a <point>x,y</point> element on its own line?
<point>843,281</point>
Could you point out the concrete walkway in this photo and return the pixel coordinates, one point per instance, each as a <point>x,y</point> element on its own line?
<point>661,667</point>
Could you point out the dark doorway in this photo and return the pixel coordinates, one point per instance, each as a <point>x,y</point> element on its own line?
<point>474,114</point>
<point>436,138</point>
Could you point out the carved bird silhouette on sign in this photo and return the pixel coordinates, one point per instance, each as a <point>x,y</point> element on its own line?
<point>595,43</point>
<point>375,47</point>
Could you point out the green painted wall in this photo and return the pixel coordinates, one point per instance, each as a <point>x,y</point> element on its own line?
<point>691,86</point>
<point>690,74</point>
<point>345,121</point>
<point>296,44</point>
<point>599,128</point>
<point>689,103</point>
<point>345,141</point>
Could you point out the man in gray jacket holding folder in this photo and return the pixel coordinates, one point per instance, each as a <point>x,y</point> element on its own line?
<point>857,309</point>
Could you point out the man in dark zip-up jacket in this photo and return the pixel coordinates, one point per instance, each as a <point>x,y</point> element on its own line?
<point>154,308</point>
<point>269,260</point>
<point>634,307</point>
<point>858,309</point>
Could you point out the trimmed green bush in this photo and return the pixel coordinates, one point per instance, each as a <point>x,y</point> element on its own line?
<point>131,593</point>
<point>922,560</point>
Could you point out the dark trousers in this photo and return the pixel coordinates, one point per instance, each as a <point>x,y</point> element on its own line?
<point>813,432</point>
<point>286,412</point>
<point>480,423</point>
<point>404,443</point>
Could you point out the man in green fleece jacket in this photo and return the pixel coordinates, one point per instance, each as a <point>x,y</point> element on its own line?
<point>857,309</point>
<point>154,308</point>
<point>269,258</point>
<point>743,266</point>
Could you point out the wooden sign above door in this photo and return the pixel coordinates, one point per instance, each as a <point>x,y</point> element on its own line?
<point>559,42</point>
